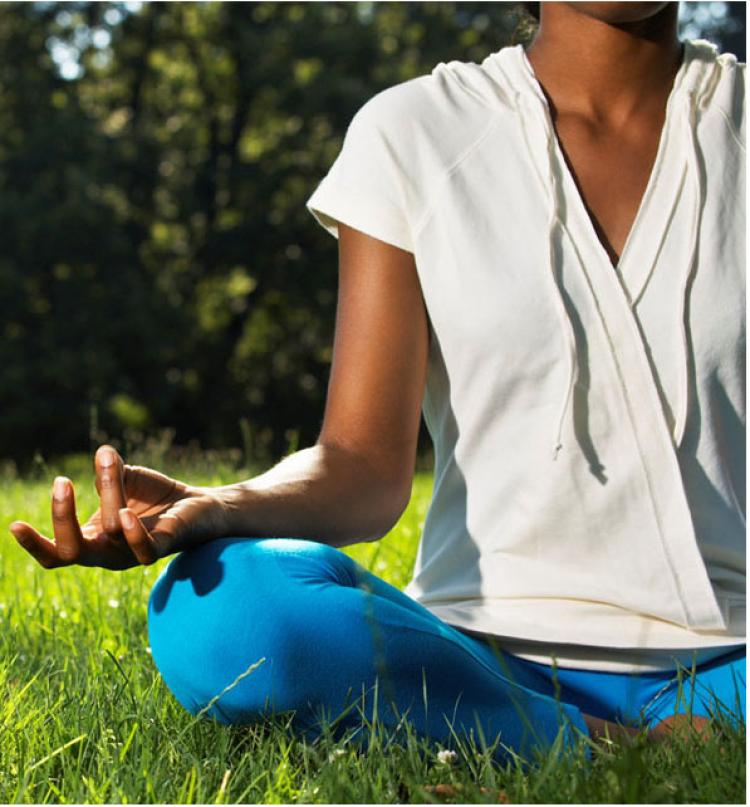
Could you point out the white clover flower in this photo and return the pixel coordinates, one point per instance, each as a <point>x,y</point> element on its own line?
<point>335,754</point>
<point>148,649</point>
<point>113,603</point>
<point>446,757</point>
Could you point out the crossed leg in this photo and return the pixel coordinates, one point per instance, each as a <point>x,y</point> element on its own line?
<point>323,631</point>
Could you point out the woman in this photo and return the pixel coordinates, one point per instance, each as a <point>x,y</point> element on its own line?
<point>544,252</point>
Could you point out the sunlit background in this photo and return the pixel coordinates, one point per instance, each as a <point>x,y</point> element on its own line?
<point>160,276</point>
<point>716,21</point>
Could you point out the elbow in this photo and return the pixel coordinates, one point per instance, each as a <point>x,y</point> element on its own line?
<point>391,505</point>
<point>381,490</point>
<point>377,516</point>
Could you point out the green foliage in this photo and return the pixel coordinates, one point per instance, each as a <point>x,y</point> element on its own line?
<point>159,265</point>
<point>85,717</point>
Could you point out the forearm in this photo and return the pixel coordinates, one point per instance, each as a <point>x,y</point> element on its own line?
<point>325,493</point>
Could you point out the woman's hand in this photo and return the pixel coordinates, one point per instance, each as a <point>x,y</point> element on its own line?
<point>143,516</point>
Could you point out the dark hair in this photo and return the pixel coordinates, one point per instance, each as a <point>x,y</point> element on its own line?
<point>527,23</point>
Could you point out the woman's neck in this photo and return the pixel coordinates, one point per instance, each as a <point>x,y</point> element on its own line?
<point>603,70</point>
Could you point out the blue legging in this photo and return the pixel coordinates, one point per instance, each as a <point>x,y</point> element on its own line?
<point>241,628</point>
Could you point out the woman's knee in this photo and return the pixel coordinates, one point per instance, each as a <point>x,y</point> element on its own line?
<point>246,571</point>
<point>231,613</point>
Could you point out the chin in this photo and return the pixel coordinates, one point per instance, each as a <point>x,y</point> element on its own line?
<point>619,12</point>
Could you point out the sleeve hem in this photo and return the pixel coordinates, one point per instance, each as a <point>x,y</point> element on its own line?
<point>334,203</point>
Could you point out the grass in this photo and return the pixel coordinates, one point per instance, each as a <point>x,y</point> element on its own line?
<point>85,717</point>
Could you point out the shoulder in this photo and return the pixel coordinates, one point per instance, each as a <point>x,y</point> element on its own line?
<point>723,85</point>
<point>395,110</point>
<point>429,121</point>
<point>731,79</point>
<point>731,92</point>
<point>432,99</point>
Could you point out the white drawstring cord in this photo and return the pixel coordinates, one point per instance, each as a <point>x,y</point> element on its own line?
<point>691,103</point>
<point>552,189</point>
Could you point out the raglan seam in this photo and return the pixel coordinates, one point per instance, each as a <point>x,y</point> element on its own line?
<point>448,172</point>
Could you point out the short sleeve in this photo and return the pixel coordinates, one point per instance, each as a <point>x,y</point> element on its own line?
<point>366,187</point>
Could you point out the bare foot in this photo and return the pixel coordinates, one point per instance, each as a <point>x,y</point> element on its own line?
<point>605,731</point>
<point>681,726</point>
<point>673,726</point>
<point>452,791</point>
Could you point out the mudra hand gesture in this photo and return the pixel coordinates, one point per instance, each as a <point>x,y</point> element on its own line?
<point>143,516</point>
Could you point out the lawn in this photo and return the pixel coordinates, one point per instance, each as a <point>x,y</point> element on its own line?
<point>85,717</point>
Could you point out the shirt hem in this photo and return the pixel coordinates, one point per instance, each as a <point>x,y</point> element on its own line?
<point>612,627</point>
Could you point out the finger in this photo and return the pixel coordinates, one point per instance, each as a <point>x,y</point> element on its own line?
<point>39,547</point>
<point>67,531</point>
<point>138,538</point>
<point>109,485</point>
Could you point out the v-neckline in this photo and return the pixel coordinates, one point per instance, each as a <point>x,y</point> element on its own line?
<point>569,179</point>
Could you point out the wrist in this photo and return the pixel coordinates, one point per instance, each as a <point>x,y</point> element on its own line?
<point>226,503</point>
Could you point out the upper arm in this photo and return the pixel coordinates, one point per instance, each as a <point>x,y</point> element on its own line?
<point>379,357</point>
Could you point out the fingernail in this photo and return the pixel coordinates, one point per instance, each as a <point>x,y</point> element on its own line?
<point>60,488</point>
<point>128,521</point>
<point>106,457</point>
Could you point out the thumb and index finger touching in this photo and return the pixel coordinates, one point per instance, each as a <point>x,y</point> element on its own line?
<point>116,517</point>
<point>117,520</point>
<point>110,485</point>
<point>68,539</point>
